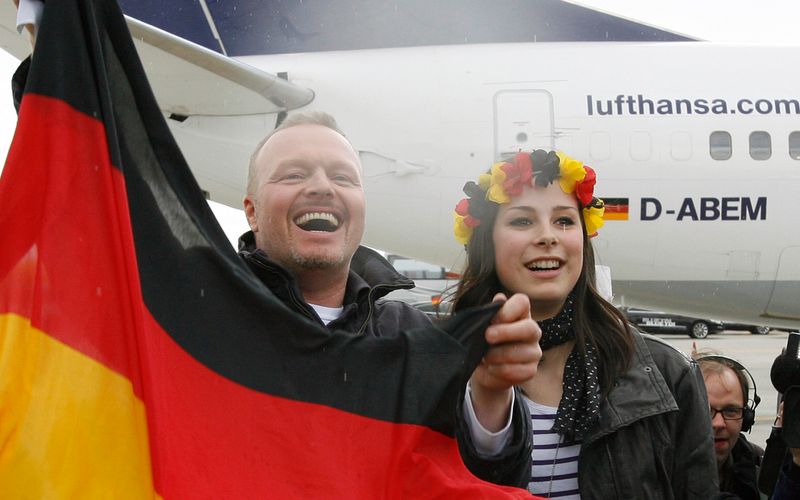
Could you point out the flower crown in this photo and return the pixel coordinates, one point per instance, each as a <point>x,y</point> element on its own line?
<point>505,180</point>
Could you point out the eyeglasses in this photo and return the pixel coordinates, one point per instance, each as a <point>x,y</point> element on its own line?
<point>729,413</point>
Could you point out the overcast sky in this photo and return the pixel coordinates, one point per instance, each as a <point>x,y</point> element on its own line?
<point>755,21</point>
<point>749,21</point>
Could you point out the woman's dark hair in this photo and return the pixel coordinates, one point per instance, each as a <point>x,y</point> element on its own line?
<point>596,320</point>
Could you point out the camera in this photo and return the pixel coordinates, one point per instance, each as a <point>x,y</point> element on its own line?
<point>785,376</point>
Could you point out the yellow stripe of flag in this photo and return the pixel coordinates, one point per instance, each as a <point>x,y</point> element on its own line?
<point>69,426</point>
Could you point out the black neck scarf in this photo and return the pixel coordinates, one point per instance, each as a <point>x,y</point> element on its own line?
<point>580,401</point>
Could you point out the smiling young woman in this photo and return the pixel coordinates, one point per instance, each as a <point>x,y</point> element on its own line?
<point>611,408</point>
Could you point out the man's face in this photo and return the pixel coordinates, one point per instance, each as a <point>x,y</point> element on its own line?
<point>724,391</point>
<point>306,208</point>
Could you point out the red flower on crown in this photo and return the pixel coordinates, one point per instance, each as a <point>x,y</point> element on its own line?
<point>584,189</point>
<point>462,209</point>
<point>518,174</point>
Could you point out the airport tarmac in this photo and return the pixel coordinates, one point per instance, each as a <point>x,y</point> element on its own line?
<point>756,353</point>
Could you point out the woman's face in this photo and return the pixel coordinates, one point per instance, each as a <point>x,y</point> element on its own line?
<point>538,241</point>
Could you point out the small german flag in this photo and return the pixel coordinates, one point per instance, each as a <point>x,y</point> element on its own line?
<point>616,209</point>
<point>139,357</point>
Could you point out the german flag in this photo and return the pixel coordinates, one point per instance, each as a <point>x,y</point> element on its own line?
<point>139,358</point>
<point>616,209</point>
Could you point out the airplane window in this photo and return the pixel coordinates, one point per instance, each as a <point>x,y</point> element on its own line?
<point>794,145</point>
<point>640,146</point>
<point>720,145</point>
<point>681,146</point>
<point>600,146</point>
<point>760,145</point>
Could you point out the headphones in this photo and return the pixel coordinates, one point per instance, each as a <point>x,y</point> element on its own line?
<point>749,413</point>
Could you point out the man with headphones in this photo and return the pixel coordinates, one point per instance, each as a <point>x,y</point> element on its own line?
<point>732,408</point>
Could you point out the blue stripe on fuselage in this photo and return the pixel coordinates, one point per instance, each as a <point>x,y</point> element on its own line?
<point>183,18</point>
<point>251,27</point>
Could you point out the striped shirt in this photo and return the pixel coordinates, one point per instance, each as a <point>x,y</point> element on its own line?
<point>554,473</point>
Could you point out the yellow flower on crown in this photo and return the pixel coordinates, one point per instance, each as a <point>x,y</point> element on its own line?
<point>593,218</point>
<point>495,178</point>
<point>463,221</point>
<point>572,172</point>
<point>461,230</point>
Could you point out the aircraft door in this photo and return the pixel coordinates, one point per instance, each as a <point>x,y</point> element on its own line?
<point>523,119</point>
<point>785,299</point>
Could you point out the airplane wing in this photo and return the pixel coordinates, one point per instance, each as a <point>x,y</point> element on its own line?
<point>218,107</point>
<point>192,80</point>
<point>189,79</point>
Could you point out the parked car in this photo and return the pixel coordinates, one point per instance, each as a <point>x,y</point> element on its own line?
<point>429,280</point>
<point>417,270</point>
<point>754,329</point>
<point>661,322</point>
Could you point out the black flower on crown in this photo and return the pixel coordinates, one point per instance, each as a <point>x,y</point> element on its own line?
<point>546,167</point>
<point>478,204</point>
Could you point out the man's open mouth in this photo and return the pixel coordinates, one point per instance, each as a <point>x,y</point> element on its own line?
<point>317,221</point>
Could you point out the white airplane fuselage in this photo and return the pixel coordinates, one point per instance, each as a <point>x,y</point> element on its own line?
<point>713,237</point>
